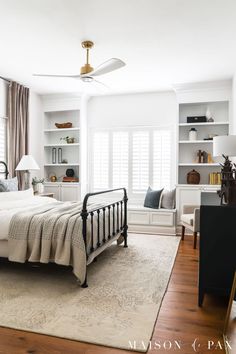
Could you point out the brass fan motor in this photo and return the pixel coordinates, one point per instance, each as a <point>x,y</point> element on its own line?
<point>87,68</point>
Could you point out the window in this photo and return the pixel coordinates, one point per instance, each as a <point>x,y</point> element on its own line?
<point>101,160</point>
<point>161,159</point>
<point>133,158</point>
<point>120,159</point>
<point>140,165</point>
<point>3,140</point>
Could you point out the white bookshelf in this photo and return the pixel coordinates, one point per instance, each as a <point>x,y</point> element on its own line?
<point>187,149</point>
<point>70,152</point>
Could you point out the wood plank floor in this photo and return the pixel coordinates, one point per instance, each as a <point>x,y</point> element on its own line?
<point>180,319</point>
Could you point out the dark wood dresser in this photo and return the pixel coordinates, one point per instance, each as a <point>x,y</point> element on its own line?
<point>217,262</point>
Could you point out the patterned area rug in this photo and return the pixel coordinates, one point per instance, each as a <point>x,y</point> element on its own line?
<point>118,309</point>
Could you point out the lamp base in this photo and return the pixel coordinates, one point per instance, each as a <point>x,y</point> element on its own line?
<point>228,183</point>
<point>26,180</point>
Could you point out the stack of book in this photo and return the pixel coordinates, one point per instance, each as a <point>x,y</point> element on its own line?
<point>215,178</point>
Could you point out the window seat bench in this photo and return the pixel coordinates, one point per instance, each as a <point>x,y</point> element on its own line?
<point>153,221</point>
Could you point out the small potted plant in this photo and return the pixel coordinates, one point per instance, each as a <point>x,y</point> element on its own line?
<point>68,140</point>
<point>38,185</point>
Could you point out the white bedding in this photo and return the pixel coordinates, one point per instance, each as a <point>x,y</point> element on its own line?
<point>9,208</point>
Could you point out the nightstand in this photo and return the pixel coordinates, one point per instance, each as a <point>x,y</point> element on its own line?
<point>50,195</point>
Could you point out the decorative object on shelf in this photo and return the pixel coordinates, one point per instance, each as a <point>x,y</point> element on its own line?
<point>63,125</point>
<point>38,185</point>
<point>53,177</point>
<point>27,164</point>
<point>64,161</point>
<point>226,146</point>
<point>193,177</point>
<point>215,178</point>
<point>193,134</point>
<point>202,157</point>
<point>70,172</point>
<point>196,119</point>
<point>209,158</point>
<point>69,140</point>
<point>59,155</point>
<point>54,155</point>
<point>210,136</point>
<point>70,179</point>
<point>209,115</point>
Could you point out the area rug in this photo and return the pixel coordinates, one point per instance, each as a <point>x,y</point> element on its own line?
<point>118,309</point>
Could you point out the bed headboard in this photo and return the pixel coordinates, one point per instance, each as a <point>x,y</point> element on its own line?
<point>5,171</point>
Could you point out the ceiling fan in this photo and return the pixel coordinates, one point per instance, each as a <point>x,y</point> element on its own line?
<point>87,72</point>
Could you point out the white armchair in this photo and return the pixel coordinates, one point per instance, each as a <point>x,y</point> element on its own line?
<point>190,219</point>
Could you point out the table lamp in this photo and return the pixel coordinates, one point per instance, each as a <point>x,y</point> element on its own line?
<point>27,164</point>
<point>226,146</point>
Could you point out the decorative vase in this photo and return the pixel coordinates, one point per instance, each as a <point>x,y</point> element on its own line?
<point>192,134</point>
<point>193,177</point>
<point>70,172</point>
<point>40,188</point>
<point>54,157</point>
<point>60,155</point>
<point>209,115</point>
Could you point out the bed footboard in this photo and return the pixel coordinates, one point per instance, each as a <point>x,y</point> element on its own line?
<point>115,211</point>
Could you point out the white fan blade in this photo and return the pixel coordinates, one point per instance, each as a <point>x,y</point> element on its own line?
<point>106,67</point>
<point>101,83</point>
<point>49,75</point>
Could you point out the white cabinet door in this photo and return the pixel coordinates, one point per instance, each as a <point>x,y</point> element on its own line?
<point>187,195</point>
<point>69,192</point>
<point>55,189</point>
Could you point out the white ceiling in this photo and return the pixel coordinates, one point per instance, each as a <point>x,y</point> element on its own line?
<point>162,41</point>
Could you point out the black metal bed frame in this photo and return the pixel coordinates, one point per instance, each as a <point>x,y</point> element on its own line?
<point>121,227</point>
<point>6,172</point>
<point>117,209</point>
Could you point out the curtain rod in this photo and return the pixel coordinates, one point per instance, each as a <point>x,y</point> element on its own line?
<point>3,78</point>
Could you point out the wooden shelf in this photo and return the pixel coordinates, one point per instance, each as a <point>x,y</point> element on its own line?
<point>61,145</point>
<point>195,141</point>
<point>61,130</point>
<point>203,124</point>
<point>200,164</point>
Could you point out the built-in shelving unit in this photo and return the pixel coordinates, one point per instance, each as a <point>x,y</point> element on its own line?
<point>199,164</point>
<point>61,130</point>
<point>54,139</point>
<point>187,149</point>
<point>195,142</point>
<point>203,124</point>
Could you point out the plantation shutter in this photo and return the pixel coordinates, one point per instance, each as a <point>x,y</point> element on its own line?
<point>161,159</point>
<point>120,159</point>
<point>100,160</point>
<point>140,157</point>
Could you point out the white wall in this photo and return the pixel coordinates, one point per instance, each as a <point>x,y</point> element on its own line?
<point>142,109</point>
<point>233,120</point>
<point>36,131</point>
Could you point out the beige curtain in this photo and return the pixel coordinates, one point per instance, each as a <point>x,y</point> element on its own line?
<point>17,112</point>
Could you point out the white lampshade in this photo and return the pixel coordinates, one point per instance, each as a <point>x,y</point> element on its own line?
<point>27,163</point>
<point>224,145</point>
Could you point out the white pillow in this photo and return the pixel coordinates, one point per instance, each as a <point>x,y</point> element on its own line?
<point>19,195</point>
